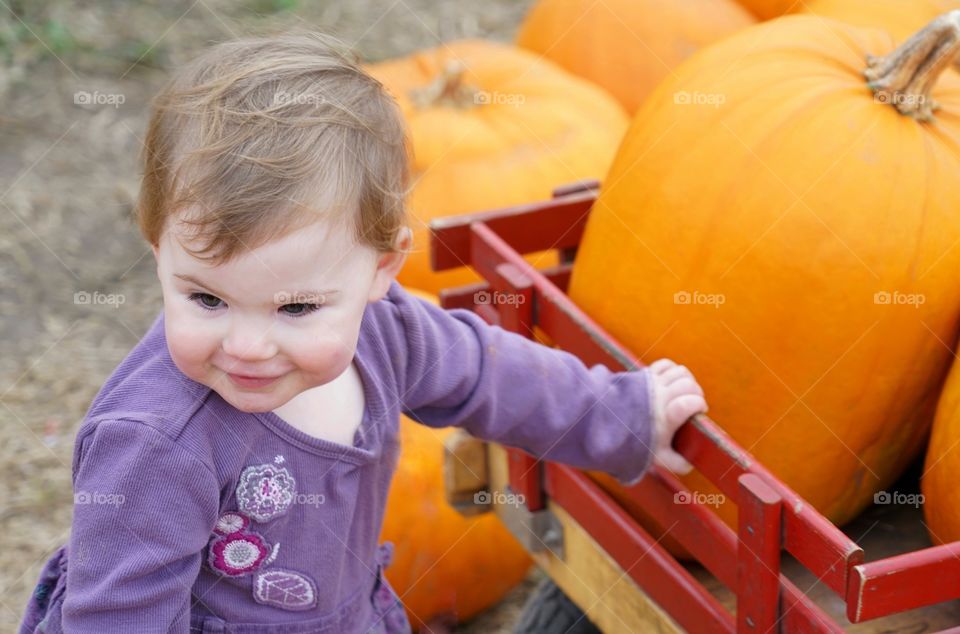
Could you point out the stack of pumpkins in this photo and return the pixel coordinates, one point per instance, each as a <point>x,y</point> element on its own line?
<point>801,168</point>
<point>494,125</point>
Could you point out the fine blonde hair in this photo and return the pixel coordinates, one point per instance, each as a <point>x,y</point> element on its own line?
<point>260,136</point>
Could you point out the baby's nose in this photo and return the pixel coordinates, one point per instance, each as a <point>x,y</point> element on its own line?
<point>248,341</point>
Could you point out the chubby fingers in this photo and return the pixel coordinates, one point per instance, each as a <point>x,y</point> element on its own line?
<point>682,387</point>
<point>660,365</point>
<point>675,373</point>
<point>673,461</point>
<point>679,409</point>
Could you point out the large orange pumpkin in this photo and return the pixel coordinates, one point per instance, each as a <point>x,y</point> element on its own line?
<point>444,564</point>
<point>941,504</point>
<point>491,126</point>
<point>627,46</point>
<point>792,238</point>
<point>902,18</point>
<point>769,9</point>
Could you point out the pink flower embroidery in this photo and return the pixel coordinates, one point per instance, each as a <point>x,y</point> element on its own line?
<point>238,553</point>
<point>265,491</point>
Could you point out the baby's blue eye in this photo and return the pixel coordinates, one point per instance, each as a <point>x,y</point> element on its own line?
<point>302,309</point>
<point>210,302</point>
<point>200,299</point>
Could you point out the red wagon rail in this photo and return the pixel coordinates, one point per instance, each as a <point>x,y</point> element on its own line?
<point>772,518</point>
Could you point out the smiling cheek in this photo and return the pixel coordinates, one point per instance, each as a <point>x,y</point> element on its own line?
<point>323,358</point>
<point>191,346</point>
<point>314,360</point>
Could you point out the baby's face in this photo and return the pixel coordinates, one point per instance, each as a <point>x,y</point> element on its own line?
<point>289,311</point>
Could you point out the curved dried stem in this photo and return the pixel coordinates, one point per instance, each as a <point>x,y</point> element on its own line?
<point>447,89</point>
<point>905,77</point>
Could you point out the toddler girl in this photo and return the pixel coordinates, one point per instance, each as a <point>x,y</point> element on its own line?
<point>231,475</point>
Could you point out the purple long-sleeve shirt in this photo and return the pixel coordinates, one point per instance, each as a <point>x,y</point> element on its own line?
<point>191,515</point>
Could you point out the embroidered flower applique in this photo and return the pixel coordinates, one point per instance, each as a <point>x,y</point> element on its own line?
<point>238,553</point>
<point>235,551</point>
<point>231,523</point>
<point>265,491</point>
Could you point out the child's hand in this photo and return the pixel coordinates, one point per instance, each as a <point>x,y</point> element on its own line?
<point>677,397</point>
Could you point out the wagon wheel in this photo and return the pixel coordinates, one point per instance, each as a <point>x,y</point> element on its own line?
<point>549,611</point>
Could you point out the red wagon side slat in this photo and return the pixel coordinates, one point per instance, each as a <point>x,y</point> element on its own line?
<point>772,517</point>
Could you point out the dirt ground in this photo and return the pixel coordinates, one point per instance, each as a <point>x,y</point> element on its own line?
<point>68,178</point>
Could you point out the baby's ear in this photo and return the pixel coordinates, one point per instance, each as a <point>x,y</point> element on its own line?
<point>389,265</point>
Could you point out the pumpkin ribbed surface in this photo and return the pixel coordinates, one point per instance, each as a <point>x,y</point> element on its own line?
<point>794,240</point>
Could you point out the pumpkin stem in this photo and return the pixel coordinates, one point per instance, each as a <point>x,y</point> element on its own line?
<point>904,77</point>
<point>447,89</point>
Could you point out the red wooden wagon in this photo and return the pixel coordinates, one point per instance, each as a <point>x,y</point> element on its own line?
<point>786,568</point>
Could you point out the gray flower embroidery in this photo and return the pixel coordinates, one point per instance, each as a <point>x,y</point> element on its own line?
<point>265,491</point>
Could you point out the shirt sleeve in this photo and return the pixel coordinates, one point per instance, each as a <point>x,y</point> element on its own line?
<point>503,387</point>
<point>144,509</point>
